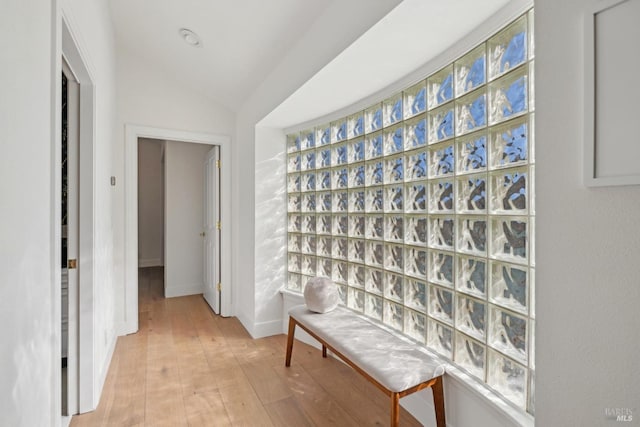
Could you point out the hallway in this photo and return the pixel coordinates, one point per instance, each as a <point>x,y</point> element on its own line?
<point>187,366</point>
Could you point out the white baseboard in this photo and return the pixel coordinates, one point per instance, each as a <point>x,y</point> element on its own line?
<point>153,262</point>
<point>183,290</point>
<point>266,329</point>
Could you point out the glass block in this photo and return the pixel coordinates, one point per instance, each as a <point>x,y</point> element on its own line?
<point>472,194</point>
<point>415,325</point>
<point>393,139</point>
<point>508,333</point>
<point>470,354</point>
<point>509,144</point>
<point>393,258</point>
<point>374,254</point>
<point>532,352</point>
<point>323,246</point>
<point>507,377</point>
<point>355,299</point>
<point>440,87</point>
<point>440,124</point>
<point>471,70</point>
<point>323,180</point>
<point>374,200</point>
<point>415,198</point>
<point>324,267</point>
<point>374,173</point>
<point>293,143</point>
<point>356,150</point>
<point>342,293</point>
<point>339,271</point>
<point>373,118</point>
<point>308,265</point>
<point>471,112</point>
<point>339,154</point>
<point>340,201</point>
<point>308,182</point>
<point>294,203</point>
<point>293,183</point>
<point>471,153</point>
<point>356,250</point>
<point>392,110</point>
<point>532,190</point>
<point>471,275</point>
<point>339,178</point>
<point>393,315</point>
<point>415,165</point>
<point>509,239</point>
<point>373,146</point>
<point>355,125</point>
<point>415,99</point>
<point>309,224</point>
<point>294,282</point>
<point>532,242</point>
<point>356,201</point>
<point>441,196</point>
<point>307,139</point>
<point>294,263</point>
<point>393,198</point>
<point>374,227</point>
<point>532,87</point>
<point>415,262</point>
<point>323,157</point>
<point>415,227</point>
<point>509,286</point>
<point>471,317</point>
<point>393,288</point>
<point>415,294</point>
<point>308,202</point>
<point>532,392</point>
<point>339,130</point>
<point>293,162</point>
<point>415,132</point>
<point>323,134</point>
<point>339,248</point>
<point>532,292</point>
<point>308,244</point>
<point>441,161</point>
<point>356,226</point>
<point>508,192</point>
<point>393,228</point>
<point>440,338</point>
<point>340,225</point>
<point>441,232</point>
<point>508,48</point>
<point>373,306</point>
<point>294,223</point>
<point>441,268</point>
<point>394,170</point>
<point>356,176</point>
<point>530,18</point>
<point>472,235</point>
<point>356,276</point>
<point>440,304</point>
<point>374,281</point>
<point>508,96</point>
<point>323,224</point>
<point>294,243</point>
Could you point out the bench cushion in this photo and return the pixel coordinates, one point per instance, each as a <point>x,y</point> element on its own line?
<point>396,363</point>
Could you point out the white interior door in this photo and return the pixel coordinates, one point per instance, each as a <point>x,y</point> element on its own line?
<point>70,239</point>
<point>211,229</point>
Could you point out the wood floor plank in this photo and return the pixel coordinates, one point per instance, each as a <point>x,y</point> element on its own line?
<point>287,413</point>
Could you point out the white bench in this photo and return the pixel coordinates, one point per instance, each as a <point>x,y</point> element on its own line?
<point>396,366</point>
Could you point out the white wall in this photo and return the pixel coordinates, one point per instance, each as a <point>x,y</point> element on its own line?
<point>150,203</point>
<point>26,254</point>
<point>587,246</point>
<point>184,207</point>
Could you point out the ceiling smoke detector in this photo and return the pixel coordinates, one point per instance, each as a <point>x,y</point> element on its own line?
<point>190,37</point>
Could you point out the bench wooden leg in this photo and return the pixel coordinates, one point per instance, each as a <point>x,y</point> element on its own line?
<point>395,409</point>
<point>292,329</point>
<point>438,402</point>
<point>324,350</point>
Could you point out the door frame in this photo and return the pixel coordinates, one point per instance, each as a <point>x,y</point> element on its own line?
<point>129,324</point>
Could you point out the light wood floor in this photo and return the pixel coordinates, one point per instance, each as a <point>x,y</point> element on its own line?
<point>189,367</point>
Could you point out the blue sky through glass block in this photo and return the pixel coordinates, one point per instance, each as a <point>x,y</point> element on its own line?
<point>515,53</point>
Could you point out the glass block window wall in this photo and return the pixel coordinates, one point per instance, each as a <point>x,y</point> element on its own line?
<point>421,208</point>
